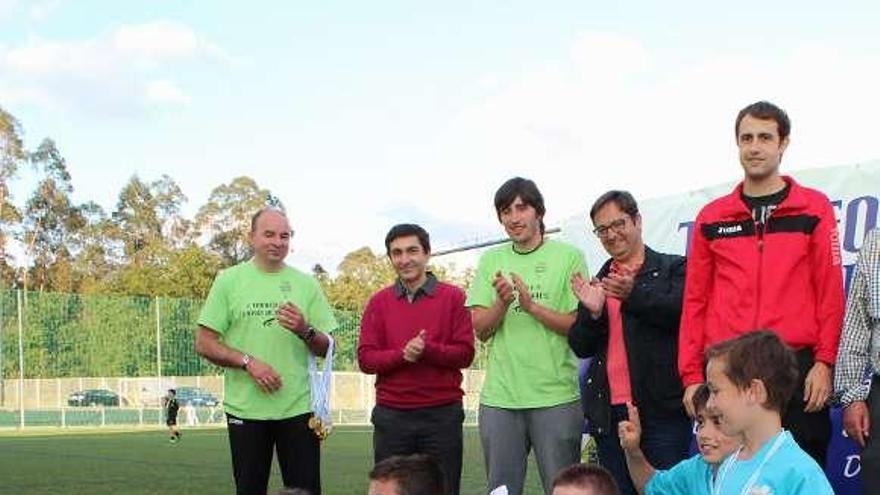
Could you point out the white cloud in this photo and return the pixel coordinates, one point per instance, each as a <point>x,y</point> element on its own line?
<point>155,40</point>
<point>7,7</point>
<point>40,11</point>
<point>608,57</point>
<point>154,43</point>
<point>23,94</point>
<point>124,71</point>
<point>164,91</point>
<point>41,58</point>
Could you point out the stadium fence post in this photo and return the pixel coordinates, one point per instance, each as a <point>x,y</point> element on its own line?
<point>20,362</point>
<point>158,344</point>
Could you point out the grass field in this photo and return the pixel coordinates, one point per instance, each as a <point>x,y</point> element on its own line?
<point>142,462</point>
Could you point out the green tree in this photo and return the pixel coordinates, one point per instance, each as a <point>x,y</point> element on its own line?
<point>147,217</point>
<point>156,254</point>
<point>50,218</point>
<point>181,272</point>
<point>226,218</point>
<point>12,155</point>
<point>94,241</point>
<point>360,274</point>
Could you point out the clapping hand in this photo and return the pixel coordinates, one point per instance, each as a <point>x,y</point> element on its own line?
<point>504,289</point>
<point>590,294</point>
<point>618,285</point>
<point>413,349</point>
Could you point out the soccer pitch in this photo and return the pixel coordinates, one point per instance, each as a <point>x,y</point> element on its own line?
<point>144,462</point>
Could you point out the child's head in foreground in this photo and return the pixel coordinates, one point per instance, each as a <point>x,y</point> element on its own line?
<point>750,378</point>
<point>713,444</point>
<point>584,479</point>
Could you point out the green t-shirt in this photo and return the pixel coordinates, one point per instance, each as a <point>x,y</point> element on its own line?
<point>529,365</point>
<point>241,308</point>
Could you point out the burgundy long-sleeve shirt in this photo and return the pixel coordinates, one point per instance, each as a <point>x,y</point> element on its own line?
<point>390,320</point>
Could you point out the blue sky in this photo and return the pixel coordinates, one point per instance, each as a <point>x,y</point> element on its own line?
<point>364,114</point>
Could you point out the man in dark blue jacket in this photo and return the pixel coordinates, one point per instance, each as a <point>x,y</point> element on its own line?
<point>628,320</point>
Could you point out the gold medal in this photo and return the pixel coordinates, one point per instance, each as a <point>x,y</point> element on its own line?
<point>321,430</point>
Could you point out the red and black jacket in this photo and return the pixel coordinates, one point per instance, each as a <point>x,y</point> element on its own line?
<point>784,276</point>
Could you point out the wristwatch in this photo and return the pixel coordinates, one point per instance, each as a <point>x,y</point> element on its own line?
<point>245,361</point>
<point>309,334</point>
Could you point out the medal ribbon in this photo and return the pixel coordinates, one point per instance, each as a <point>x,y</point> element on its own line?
<point>320,384</point>
<point>730,461</point>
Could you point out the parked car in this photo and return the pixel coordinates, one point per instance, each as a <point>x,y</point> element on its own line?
<point>197,397</point>
<point>93,397</point>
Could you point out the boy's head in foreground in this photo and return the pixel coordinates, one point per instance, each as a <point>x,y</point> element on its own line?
<point>714,445</point>
<point>584,479</point>
<point>750,379</point>
<point>416,474</point>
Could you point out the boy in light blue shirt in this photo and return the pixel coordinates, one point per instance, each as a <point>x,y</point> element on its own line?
<point>751,378</point>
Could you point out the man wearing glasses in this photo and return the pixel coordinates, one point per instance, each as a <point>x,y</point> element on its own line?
<point>628,320</point>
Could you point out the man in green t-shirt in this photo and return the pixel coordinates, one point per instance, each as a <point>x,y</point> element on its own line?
<point>522,307</point>
<point>261,321</point>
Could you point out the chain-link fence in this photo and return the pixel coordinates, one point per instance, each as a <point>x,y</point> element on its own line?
<point>101,360</point>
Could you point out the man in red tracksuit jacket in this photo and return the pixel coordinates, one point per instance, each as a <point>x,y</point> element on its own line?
<point>767,256</point>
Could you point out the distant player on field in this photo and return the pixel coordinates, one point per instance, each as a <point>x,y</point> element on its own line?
<point>169,403</point>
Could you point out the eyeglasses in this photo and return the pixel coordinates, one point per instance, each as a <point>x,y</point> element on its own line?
<point>617,226</point>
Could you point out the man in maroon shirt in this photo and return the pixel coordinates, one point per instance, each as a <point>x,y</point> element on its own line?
<point>416,336</point>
